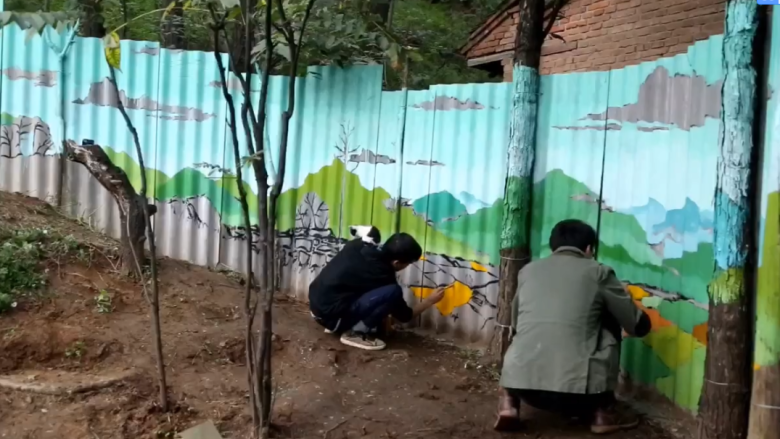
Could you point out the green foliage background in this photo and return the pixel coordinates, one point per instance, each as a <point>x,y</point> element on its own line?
<point>437,27</point>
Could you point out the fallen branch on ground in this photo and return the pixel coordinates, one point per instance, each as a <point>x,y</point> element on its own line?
<point>12,383</point>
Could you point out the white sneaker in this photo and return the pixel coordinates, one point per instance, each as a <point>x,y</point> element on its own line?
<point>362,341</point>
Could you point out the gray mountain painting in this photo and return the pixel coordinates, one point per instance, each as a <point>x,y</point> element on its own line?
<point>102,94</point>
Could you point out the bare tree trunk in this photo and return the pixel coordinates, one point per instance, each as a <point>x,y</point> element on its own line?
<point>135,215</point>
<point>262,186</point>
<point>131,205</point>
<point>516,229</point>
<point>154,298</point>
<point>125,19</point>
<point>261,395</point>
<point>253,132</point>
<point>383,9</point>
<point>133,235</point>
<point>267,232</point>
<point>268,229</point>
<point>92,21</point>
<point>172,31</point>
<point>723,413</point>
<point>249,308</point>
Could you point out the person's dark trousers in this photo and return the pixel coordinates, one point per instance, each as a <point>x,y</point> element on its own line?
<point>368,312</point>
<point>567,404</point>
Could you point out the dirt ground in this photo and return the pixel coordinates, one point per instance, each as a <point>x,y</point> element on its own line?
<point>417,388</point>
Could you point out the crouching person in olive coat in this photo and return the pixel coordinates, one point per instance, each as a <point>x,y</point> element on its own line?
<point>565,351</point>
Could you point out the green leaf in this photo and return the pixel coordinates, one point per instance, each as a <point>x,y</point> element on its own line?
<point>393,55</point>
<point>234,14</point>
<point>169,9</point>
<point>113,50</point>
<point>384,44</point>
<point>229,4</point>
<point>284,50</point>
<point>414,56</point>
<point>259,48</point>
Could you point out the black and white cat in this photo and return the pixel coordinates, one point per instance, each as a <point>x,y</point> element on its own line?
<point>368,234</point>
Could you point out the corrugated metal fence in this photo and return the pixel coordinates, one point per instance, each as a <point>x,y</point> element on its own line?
<point>632,151</point>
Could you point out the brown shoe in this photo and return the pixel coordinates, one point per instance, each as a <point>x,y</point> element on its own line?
<point>611,421</point>
<point>508,418</point>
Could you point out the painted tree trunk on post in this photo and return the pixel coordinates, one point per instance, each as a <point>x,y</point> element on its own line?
<point>724,407</point>
<point>516,228</point>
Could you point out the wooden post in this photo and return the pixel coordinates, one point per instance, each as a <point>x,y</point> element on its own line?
<point>723,412</point>
<point>516,229</point>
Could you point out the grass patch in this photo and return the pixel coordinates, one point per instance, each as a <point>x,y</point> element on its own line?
<point>22,253</point>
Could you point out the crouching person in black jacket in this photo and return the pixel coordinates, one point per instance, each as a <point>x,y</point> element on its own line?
<point>358,288</point>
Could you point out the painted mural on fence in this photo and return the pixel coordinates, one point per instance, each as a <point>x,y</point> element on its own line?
<point>340,171</point>
<point>634,149</point>
<point>767,332</point>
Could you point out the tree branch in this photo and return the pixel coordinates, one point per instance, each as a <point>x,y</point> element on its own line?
<point>149,232</point>
<point>286,26</point>
<point>250,309</point>
<point>281,30</point>
<point>245,85</point>
<point>261,106</point>
<point>100,166</point>
<point>306,17</point>
<point>293,74</point>
<point>552,17</point>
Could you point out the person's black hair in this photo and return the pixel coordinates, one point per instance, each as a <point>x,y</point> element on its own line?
<point>402,247</point>
<point>573,233</point>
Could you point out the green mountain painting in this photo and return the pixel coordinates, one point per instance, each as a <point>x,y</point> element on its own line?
<point>768,295</point>
<point>443,225</point>
<point>364,206</point>
<point>154,178</point>
<point>191,183</point>
<point>451,230</point>
<point>439,206</point>
<point>558,197</point>
<point>480,230</point>
<point>622,241</point>
<point>7,119</point>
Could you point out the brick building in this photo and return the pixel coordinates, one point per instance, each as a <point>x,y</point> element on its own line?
<point>599,34</point>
